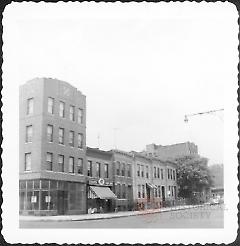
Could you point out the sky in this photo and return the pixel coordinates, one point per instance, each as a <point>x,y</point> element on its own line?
<point>142,68</point>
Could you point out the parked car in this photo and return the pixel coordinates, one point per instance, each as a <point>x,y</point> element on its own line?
<point>214,200</point>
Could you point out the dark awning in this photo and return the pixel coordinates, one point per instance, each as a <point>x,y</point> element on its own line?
<point>103,192</point>
<point>152,186</point>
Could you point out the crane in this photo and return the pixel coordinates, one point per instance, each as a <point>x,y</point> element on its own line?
<point>206,112</point>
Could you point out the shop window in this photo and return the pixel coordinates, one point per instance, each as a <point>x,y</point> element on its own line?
<point>49,161</point>
<point>30,106</point>
<point>36,184</point>
<point>123,191</point>
<point>22,185</point>
<point>53,184</point>
<point>53,202</point>
<point>45,200</point>
<point>61,109</point>
<point>29,134</point>
<point>80,166</point>
<point>22,197</point>
<point>50,105</point>
<point>30,184</point>
<point>45,184</point>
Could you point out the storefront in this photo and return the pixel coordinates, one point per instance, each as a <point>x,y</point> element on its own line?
<point>100,197</point>
<point>51,197</point>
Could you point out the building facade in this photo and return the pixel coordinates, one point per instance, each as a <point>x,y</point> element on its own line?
<point>100,196</point>
<point>172,151</point>
<point>52,127</point>
<point>59,175</point>
<point>123,179</point>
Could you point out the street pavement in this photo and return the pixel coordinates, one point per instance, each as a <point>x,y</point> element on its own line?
<point>198,217</point>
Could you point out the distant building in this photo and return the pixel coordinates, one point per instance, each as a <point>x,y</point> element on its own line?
<point>217,175</point>
<point>172,151</point>
<point>52,146</point>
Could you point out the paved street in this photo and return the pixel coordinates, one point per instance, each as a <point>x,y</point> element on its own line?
<point>203,217</point>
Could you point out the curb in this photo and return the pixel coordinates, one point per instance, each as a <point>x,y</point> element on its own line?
<point>117,216</point>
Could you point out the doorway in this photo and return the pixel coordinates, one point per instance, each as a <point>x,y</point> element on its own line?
<point>163,193</point>
<point>62,202</point>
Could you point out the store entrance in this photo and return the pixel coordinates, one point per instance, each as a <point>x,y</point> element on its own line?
<point>62,202</point>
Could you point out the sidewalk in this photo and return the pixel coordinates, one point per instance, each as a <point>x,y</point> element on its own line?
<point>83,217</point>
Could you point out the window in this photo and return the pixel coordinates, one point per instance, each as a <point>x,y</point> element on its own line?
<point>62,109</point>
<point>71,113</point>
<point>30,106</point>
<point>158,172</point>
<point>138,170</point>
<point>98,169</point>
<point>147,175</point>
<point>80,116</point>
<point>89,169</point>
<point>27,161</point>
<point>49,161</point>
<point>168,174</point>
<point>118,168</point>
<point>80,140</point>
<point>143,191</point>
<point>129,170</point>
<point>171,173</point>
<point>61,136</point>
<point>123,169</point>
<point>155,172</point>
<point>29,134</point>
<point>123,191</point>
<point>61,163</point>
<point>50,133</point>
<point>169,190</point>
<point>71,164</point>
<point>172,190</point>
<point>118,191</point>
<point>80,166</point>
<point>50,105</point>
<point>71,138</point>
<point>161,173</point>
<point>159,191</point>
<point>106,170</point>
<point>174,177</point>
<point>142,170</point>
<point>139,191</point>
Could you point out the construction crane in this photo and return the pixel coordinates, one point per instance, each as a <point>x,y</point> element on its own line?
<point>201,113</point>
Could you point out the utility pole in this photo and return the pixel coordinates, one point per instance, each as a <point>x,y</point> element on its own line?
<point>186,117</point>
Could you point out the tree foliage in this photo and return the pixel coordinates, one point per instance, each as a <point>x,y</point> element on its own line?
<point>192,175</point>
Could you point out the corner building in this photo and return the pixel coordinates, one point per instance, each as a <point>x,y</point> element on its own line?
<point>52,127</point>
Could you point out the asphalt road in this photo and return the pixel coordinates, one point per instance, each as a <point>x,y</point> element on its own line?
<point>203,217</point>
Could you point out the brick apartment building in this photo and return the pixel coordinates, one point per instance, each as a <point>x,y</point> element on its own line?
<point>58,174</point>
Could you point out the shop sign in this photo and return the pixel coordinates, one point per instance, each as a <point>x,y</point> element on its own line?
<point>101,181</point>
<point>47,198</point>
<point>33,199</point>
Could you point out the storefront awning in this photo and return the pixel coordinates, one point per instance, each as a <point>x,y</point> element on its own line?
<point>152,186</point>
<point>102,192</point>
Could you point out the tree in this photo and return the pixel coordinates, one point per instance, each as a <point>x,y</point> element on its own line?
<point>192,175</point>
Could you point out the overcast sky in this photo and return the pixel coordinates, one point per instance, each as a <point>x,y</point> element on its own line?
<point>141,68</point>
